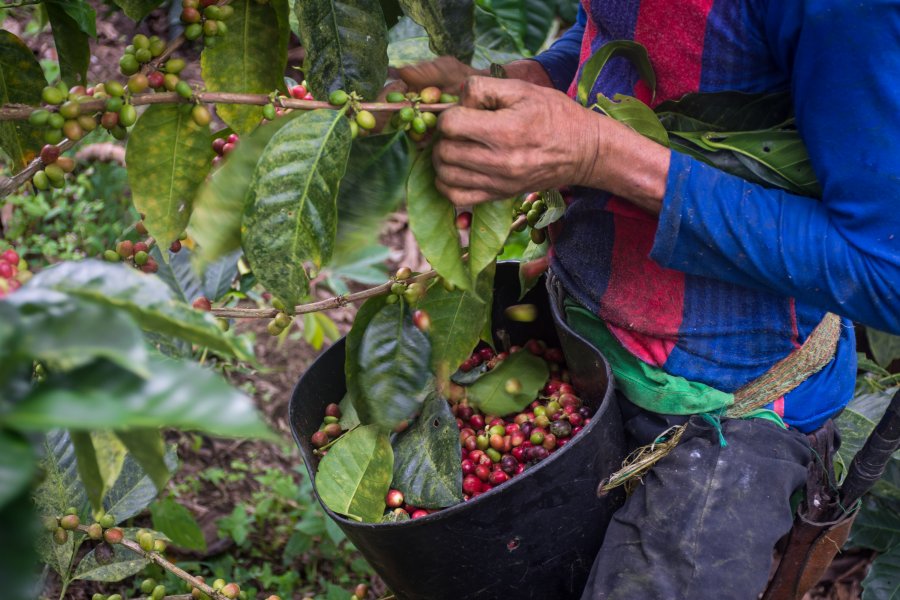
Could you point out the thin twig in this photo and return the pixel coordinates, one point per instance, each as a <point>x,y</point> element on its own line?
<point>336,301</point>
<point>18,112</point>
<point>20,4</point>
<point>172,568</point>
<point>10,184</point>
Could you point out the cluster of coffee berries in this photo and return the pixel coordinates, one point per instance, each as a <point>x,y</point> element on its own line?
<point>205,18</point>
<point>533,207</point>
<point>411,119</point>
<point>152,589</point>
<point>103,531</point>
<point>223,146</point>
<point>301,92</point>
<point>13,272</point>
<point>224,588</point>
<point>136,254</point>
<point>361,121</point>
<point>402,287</point>
<point>141,51</point>
<point>69,120</point>
<point>55,168</point>
<point>330,429</point>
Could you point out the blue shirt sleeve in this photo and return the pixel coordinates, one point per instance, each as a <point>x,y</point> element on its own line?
<point>561,59</point>
<point>841,253</point>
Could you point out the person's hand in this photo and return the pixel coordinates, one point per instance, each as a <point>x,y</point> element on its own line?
<point>445,72</point>
<point>509,137</point>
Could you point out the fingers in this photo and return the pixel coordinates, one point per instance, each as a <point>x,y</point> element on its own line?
<point>445,72</point>
<point>463,196</point>
<point>463,123</point>
<point>394,86</point>
<point>468,155</point>
<point>486,93</point>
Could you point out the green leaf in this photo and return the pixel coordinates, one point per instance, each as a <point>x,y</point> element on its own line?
<point>450,25</point>
<point>392,367</point>
<point>294,216</point>
<point>885,347</point>
<point>148,449</point>
<point>635,114</point>
<point>88,468</point>
<point>247,61</point>
<point>883,579</point>
<point>349,418</point>
<point>346,44</point>
<point>726,111</point>
<point>110,455</point>
<point>219,276</point>
<point>856,423</point>
<point>133,490</point>
<point>72,44</point>
<point>147,299</point>
<point>17,466</point>
<point>216,221</point>
<point>355,475</point>
<point>457,319</point>
<point>488,233</point>
<point>633,51</point>
<point>125,563</point>
<point>527,21</point>
<point>364,265</point>
<point>427,455</point>
<point>177,270</point>
<point>532,252</point>
<point>168,157</point>
<point>178,523</point>
<point>67,332</point>
<point>556,208</point>
<point>371,189</point>
<point>103,396</point>
<point>21,82</point>
<point>137,9</point>
<point>432,219</point>
<point>82,14</point>
<point>408,44</point>
<point>364,316</point>
<point>489,392</point>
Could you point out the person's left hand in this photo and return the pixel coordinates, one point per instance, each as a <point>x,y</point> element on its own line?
<point>508,137</point>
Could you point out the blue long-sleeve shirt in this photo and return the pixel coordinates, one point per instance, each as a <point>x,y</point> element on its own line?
<point>733,276</point>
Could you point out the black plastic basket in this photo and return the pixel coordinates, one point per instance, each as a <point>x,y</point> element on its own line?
<point>533,537</point>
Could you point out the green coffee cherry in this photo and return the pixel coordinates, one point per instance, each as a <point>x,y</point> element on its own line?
<point>145,539</point>
<point>159,592</point>
<point>143,55</point>
<point>55,174</point>
<point>210,28</point>
<point>107,521</point>
<point>140,259</point>
<point>127,115</point>
<point>354,130</point>
<point>40,180</point>
<point>200,115</point>
<point>366,120</point>
<point>53,136</point>
<point>147,585</point>
<point>111,256</point>
<point>396,97</point>
<point>183,89</point>
<point>338,98</point>
<point>52,95</point>
<point>193,31</point>
<point>55,121</point>
<point>140,41</point>
<point>157,46</point>
<point>418,125</point>
<point>128,65</point>
<point>39,117</point>
<point>269,112</point>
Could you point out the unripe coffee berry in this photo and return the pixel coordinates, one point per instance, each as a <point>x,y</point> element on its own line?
<point>113,535</point>
<point>107,521</point>
<point>95,532</point>
<point>60,536</point>
<point>365,120</point>
<point>200,114</point>
<point>430,95</point>
<point>159,592</point>
<point>70,522</point>
<point>338,98</point>
<point>141,258</point>
<point>145,540</point>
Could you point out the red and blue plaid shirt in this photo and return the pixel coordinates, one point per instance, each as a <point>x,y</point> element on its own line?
<point>733,276</point>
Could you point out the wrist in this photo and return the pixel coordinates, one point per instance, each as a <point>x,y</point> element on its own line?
<point>528,70</point>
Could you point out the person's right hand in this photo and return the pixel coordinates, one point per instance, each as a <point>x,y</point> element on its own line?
<point>445,72</point>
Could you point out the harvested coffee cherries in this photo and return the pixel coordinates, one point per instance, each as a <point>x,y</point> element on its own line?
<point>329,430</point>
<point>496,449</point>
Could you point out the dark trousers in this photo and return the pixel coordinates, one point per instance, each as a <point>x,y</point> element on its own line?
<point>705,520</point>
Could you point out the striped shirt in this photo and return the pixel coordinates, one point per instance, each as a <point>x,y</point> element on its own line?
<point>732,276</point>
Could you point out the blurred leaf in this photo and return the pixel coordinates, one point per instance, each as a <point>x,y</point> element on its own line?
<point>457,319</point>
<point>88,468</point>
<point>249,60</point>
<point>372,188</point>
<point>177,271</point>
<point>885,347</point>
<point>294,216</point>
<point>72,44</point>
<point>856,423</point>
<point>178,523</point>
<point>355,475</point>
<point>487,234</point>
<point>364,316</point>
<point>147,447</point>
<point>147,299</point>
<point>392,368</point>
<point>137,9</point>
<point>532,252</point>
<point>726,111</point>
<point>17,466</point>
<point>883,579</point>
<point>102,395</point>
<point>489,393</point>
<point>346,44</point>
<point>427,455</point>
<point>168,157</point>
<point>432,219</point>
<point>21,82</point>
<point>450,25</point>
<point>125,563</point>
<point>364,265</point>
<point>556,208</point>
<point>110,456</point>
<point>216,221</point>
<point>133,490</point>
<point>220,275</point>
<point>349,418</point>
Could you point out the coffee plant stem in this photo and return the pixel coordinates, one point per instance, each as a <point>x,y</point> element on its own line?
<point>336,301</point>
<point>330,303</point>
<point>19,112</point>
<point>175,570</point>
<point>10,184</point>
<point>20,4</point>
